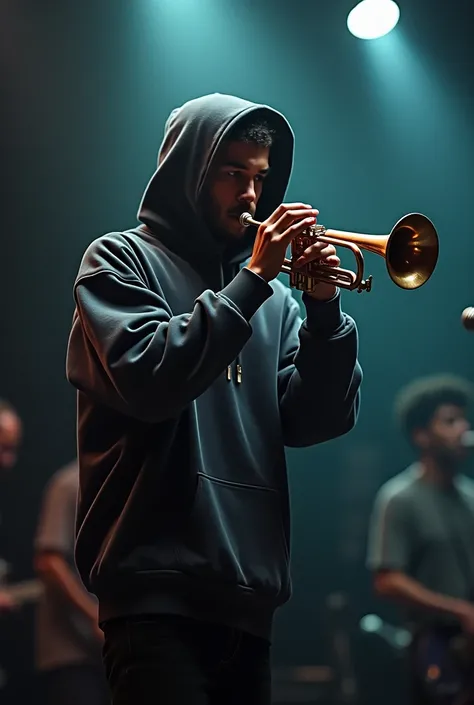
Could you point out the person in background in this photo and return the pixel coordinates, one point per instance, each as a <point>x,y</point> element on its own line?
<point>421,540</point>
<point>68,640</point>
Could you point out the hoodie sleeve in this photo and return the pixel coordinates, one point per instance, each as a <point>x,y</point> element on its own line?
<point>319,374</point>
<point>127,351</point>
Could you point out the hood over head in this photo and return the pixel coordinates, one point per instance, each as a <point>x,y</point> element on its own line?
<point>170,207</point>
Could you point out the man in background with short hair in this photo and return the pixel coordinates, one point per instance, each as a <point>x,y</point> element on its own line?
<point>421,544</point>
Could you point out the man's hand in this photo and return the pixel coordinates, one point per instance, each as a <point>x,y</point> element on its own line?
<point>323,253</point>
<point>275,234</point>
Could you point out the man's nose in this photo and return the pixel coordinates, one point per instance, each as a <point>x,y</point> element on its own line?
<point>249,194</point>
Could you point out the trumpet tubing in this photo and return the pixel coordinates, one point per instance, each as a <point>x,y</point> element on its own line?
<point>410,251</point>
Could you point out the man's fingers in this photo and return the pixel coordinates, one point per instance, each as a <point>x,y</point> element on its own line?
<point>332,261</point>
<point>294,222</point>
<point>285,208</point>
<point>293,217</point>
<point>321,252</point>
<point>298,228</point>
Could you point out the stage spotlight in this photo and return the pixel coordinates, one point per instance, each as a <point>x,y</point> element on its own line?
<point>371,19</point>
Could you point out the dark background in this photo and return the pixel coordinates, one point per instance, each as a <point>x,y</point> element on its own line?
<point>382,128</point>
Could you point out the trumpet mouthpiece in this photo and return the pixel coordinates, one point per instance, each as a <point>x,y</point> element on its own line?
<point>245,219</point>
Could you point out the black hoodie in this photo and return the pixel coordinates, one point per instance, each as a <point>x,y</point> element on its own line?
<point>193,374</point>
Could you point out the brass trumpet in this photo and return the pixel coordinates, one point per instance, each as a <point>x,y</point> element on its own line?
<point>410,252</point>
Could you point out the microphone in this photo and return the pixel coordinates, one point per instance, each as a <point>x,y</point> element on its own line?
<point>467,318</point>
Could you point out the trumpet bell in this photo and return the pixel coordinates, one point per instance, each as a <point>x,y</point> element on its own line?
<point>412,250</point>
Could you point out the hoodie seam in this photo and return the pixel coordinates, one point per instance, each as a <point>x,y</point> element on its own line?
<point>125,280</point>
<point>238,485</point>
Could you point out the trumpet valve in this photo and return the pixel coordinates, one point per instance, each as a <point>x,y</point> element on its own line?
<point>365,285</point>
<point>301,242</point>
<point>305,278</point>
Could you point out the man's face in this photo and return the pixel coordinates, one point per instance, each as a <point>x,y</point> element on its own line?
<point>443,437</point>
<point>234,186</point>
<point>10,437</point>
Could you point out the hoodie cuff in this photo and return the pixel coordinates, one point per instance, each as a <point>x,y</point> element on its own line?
<point>323,316</point>
<point>247,291</point>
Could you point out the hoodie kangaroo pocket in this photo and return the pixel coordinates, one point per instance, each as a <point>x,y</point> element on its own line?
<point>234,534</point>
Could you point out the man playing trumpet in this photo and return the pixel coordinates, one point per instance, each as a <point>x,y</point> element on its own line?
<point>193,374</point>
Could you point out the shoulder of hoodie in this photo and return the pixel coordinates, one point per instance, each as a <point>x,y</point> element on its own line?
<point>116,253</point>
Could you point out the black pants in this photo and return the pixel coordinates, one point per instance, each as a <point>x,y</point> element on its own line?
<point>80,684</point>
<point>172,660</point>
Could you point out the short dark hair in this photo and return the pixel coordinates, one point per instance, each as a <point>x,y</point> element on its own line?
<point>253,129</point>
<point>416,404</point>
